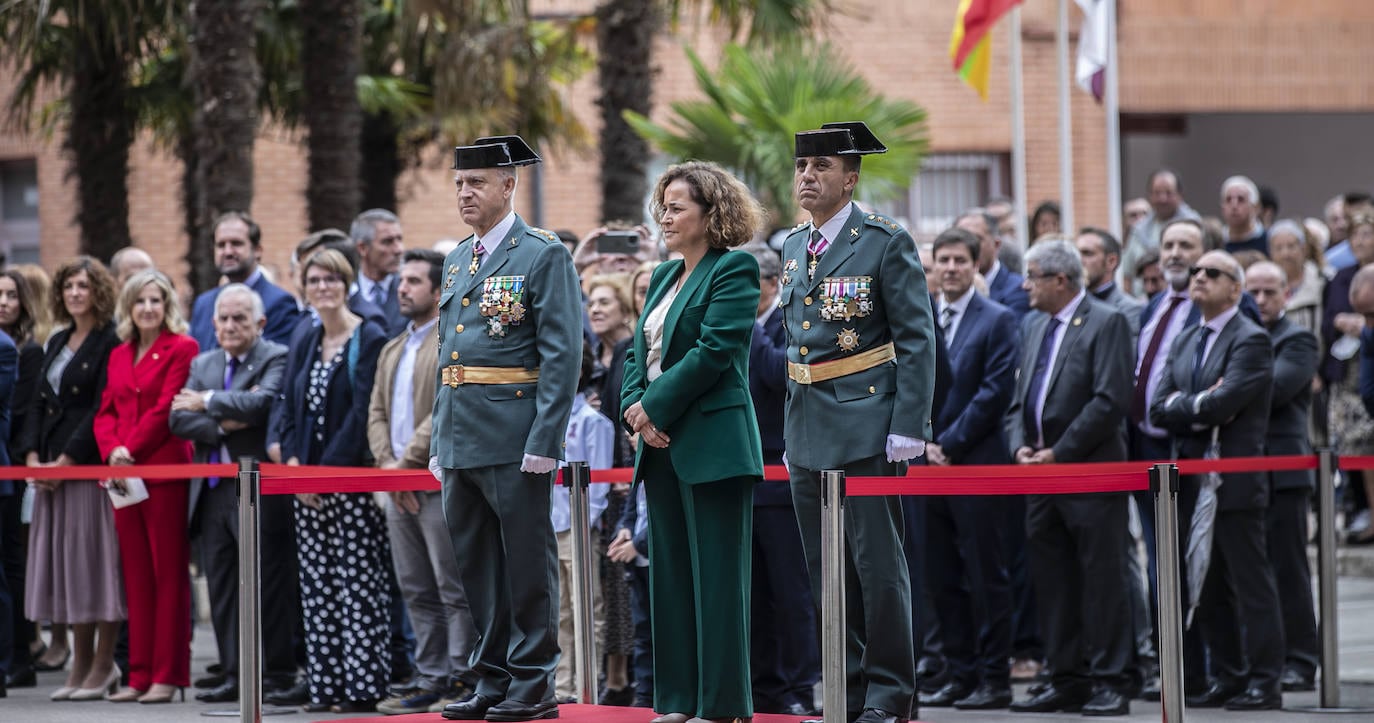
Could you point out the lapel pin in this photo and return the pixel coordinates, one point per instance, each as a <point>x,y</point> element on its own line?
<point>853,232</point>
<point>1078,321</point>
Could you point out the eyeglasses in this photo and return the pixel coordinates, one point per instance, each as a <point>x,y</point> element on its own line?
<point>1212,273</point>
<point>323,280</point>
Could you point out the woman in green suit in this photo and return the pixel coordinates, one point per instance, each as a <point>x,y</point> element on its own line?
<point>686,393</point>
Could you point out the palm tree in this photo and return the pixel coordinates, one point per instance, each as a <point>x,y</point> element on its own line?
<point>88,51</point>
<point>625,34</point>
<point>758,98</point>
<point>223,73</point>
<point>331,37</point>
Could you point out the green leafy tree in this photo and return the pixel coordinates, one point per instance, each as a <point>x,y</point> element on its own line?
<point>759,97</point>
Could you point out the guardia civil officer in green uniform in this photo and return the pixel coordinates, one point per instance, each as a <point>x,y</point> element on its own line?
<point>510,351</point>
<point>861,360</point>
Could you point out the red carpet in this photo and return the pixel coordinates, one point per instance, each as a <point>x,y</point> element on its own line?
<point>572,713</point>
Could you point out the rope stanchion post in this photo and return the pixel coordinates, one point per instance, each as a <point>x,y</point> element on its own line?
<point>1326,577</point>
<point>250,628</point>
<point>832,596</point>
<point>1164,484</point>
<point>577,481</point>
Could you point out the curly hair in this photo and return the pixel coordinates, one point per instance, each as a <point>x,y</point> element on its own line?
<point>172,320</point>
<point>102,291</point>
<point>732,214</point>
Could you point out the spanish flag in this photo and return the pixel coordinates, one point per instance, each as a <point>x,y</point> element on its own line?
<point>969,45</point>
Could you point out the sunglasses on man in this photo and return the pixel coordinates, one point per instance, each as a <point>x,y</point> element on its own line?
<point>1211,272</point>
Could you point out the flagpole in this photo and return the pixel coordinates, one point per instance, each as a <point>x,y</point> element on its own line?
<point>1061,43</point>
<point>1018,133</point>
<point>1111,100</point>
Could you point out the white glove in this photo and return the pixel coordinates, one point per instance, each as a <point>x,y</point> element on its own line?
<point>902,449</point>
<point>534,464</point>
<point>435,469</point>
<point>784,462</point>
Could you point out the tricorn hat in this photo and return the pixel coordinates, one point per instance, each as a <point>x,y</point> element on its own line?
<point>494,152</point>
<point>848,138</point>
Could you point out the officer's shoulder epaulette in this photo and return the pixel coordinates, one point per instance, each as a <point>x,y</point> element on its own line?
<point>877,220</point>
<point>542,234</point>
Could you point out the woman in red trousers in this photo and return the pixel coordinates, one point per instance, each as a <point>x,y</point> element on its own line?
<point>145,372</point>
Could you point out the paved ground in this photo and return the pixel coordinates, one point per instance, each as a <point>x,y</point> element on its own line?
<point>1356,620</point>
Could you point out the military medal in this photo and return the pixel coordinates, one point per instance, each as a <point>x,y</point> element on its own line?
<point>846,297</point>
<point>502,302</point>
<point>472,267</point>
<point>495,329</point>
<point>848,339</point>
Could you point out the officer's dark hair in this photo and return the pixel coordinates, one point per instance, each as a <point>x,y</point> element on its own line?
<point>851,163</point>
<point>956,236</point>
<point>1110,246</point>
<point>431,257</point>
<point>254,233</point>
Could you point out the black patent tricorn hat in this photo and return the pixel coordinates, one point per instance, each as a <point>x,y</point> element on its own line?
<point>847,138</point>
<point>494,152</point>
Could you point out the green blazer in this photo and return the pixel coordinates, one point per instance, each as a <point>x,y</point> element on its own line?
<point>483,425</point>
<point>702,399</point>
<point>873,262</point>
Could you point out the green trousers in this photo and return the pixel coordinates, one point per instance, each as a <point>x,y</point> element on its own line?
<point>699,560</point>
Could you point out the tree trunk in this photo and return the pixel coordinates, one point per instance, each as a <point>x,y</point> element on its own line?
<point>200,255</point>
<point>99,135</point>
<point>225,79</point>
<point>624,35</point>
<point>330,48</point>
<point>381,161</point>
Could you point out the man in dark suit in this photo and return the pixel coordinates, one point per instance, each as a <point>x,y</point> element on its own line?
<point>965,566</point>
<point>224,410</point>
<point>1004,284</point>
<point>1295,364</point>
<point>377,236</point>
<point>1217,382</point>
<point>238,251</point>
<point>1101,254</point>
<point>784,657</point>
<point>1069,406</point>
<point>861,361</point>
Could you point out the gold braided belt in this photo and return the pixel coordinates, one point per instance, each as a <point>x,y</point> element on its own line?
<point>812,373</point>
<point>455,374</point>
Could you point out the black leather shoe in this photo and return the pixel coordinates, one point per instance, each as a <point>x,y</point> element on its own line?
<point>985,697</point>
<point>621,697</point>
<point>1107,702</point>
<point>1214,697</point>
<point>945,696</point>
<point>878,715</point>
<point>223,694</point>
<point>474,708</point>
<point>1052,699</point>
<point>514,710</point>
<point>1255,699</point>
<point>796,709</point>
<point>213,680</point>
<point>22,677</point>
<point>1150,691</point>
<point>298,694</point>
<point>931,675</point>
<point>1291,681</point>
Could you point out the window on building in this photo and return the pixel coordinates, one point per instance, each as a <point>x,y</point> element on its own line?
<point>19,210</point>
<point>948,185</point>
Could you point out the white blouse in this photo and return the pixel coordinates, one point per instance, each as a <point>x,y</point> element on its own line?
<point>653,335</point>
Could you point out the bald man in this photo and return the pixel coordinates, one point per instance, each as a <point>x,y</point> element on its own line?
<point>128,261</point>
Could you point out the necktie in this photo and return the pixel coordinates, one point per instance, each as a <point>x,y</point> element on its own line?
<point>229,371</point>
<point>379,293</point>
<point>815,248</point>
<point>1037,382</point>
<point>1139,402</point>
<point>1198,357</point>
<point>947,322</point>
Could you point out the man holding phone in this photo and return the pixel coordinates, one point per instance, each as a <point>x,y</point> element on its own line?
<point>614,250</point>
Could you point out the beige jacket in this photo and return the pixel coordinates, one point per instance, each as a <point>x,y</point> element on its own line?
<point>379,411</point>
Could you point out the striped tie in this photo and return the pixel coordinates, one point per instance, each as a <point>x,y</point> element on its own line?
<point>814,249</point>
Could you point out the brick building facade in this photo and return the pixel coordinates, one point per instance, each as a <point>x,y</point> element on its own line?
<point>1178,58</point>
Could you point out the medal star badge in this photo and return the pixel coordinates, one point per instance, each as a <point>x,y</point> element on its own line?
<point>848,339</point>
<point>495,329</point>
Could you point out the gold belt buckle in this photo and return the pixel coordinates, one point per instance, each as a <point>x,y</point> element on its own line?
<point>801,373</point>
<point>453,375</point>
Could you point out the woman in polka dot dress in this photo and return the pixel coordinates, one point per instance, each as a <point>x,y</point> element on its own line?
<point>341,538</point>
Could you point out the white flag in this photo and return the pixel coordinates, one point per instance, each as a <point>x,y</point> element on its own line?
<point>1092,47</point>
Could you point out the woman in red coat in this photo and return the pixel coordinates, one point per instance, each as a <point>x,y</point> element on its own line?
<point>146,371</point>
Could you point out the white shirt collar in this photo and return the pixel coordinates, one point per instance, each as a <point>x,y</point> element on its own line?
<point>993,272</point>
<point>419,332</point>
<point>1220,321</point>
<point>1065,314</point>
<point>831,229</point>
<point>492,239</point>
<point>960,305</point>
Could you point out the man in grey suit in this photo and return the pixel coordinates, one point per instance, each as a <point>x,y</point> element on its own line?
<point>510,350</point>
<point>380,243</point>
<point>224,410</point>
<point>1295,364</point>
<point>861,365</point>
<point>1101,254</point>
<point>1217,382</point>
<point>1070,406</point>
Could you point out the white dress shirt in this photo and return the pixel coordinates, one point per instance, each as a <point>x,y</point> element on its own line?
<point>1065,316</point>
<point>403,389</point>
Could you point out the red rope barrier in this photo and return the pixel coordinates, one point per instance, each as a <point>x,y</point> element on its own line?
<point>1357,463</point>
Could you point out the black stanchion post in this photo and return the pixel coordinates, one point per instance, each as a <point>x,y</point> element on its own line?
<point>1164,485</point>
<point>832,596</point>
<point>250,629</point>
<point>577,480</point>
<point>1326,577</point>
